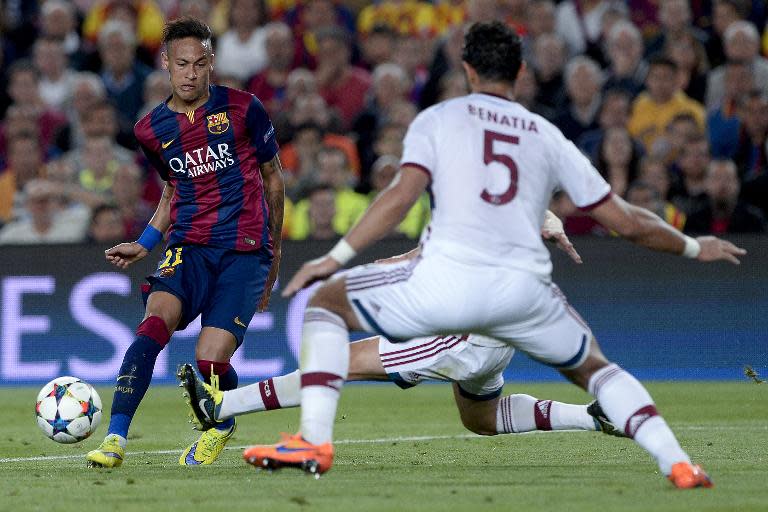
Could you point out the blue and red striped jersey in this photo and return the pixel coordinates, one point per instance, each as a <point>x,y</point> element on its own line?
<point>212,156</point>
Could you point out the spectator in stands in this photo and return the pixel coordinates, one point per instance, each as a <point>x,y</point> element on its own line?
<point>241,50</point>
<point>408,18</point>
<point>342,85</point>
<point>42,222</point>
<point>126,195</point>
<point>751,150</point>
<point>742,44</point>
<point>675,17</point>
<point>106,225</point>
<point>332,169</point>
<point>390,86</point>
<point>690,194</point>
<point>157,89</point>
<point>723,212</point>
<point>724,13</point>
<point>580,23</point>
<point>653,172</point>
<point>526,91</point>
<point>646,196</point>
<point>58,21</point>
<point>662,100</point>
<point>445,59</point>
<point>88,89</point>
<point>56,83</point>
<point>25,163</point>
<point>270,84</point>
<point>378,46</point>
<point>24,91</point>
<point>540,15</point>
<point>627,68</point>
<point>583,81</point>
<point>678,132</point>
<point>692,65</point>
<point>614,113</point>
<point>723,124</point>
<point>143,21</point>
<point>122,74</point>
<point>549,65</point>
<point>307,18</point>
<point>617,160</point>
<point>321,211</point>
<point>383,172</point>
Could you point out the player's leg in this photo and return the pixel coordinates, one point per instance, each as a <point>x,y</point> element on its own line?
<point>324,368</point>
<point>281,392</point>
<point>517,413</point>
<point>627,403</point>
<point>163,313</point>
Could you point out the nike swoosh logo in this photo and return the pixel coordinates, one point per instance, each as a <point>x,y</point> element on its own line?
<point>166,144</point>
<point>201,403</point>
<point>285,449</point>
<point>239,322</point>
<point>129,377</point>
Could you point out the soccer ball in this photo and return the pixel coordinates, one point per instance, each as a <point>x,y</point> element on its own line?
<point>68,410</point>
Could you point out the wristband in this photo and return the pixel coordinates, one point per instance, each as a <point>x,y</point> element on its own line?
<point>150,237</point>
<point>692,247</point>
<point>342,252</point>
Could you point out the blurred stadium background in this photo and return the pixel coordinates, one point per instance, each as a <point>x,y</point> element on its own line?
<point>668,98</point>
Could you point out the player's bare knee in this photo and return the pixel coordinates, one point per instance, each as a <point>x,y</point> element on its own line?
<point>332,296</point>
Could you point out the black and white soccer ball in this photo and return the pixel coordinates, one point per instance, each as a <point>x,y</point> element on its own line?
<point>68,410</point>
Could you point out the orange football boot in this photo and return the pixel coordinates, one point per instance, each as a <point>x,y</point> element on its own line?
<point>685,475</point>
<point>292,451</point>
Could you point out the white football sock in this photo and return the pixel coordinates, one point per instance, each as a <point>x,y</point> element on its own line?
<point>524,413</point>
<point>629,406</point>
<point>324,367</point>
<point>280,392</point>
<point>120,439</point>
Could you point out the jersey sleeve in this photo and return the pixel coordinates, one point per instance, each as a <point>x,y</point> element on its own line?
<point>419,144</point>
<point>261,131</point>
<point>154,161</point>
<point>577,176</point>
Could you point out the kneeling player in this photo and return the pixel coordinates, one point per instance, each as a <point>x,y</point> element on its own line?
<point>476,372</point>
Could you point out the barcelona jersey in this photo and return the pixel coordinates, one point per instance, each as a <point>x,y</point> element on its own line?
<point>212,156</point>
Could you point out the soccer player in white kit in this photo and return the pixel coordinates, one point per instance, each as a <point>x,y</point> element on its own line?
<point>492,167</point>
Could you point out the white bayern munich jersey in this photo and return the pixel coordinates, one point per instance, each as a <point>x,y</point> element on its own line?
<point>494,166</point>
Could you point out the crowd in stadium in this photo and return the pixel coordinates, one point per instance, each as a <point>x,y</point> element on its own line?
<point>668,98</point>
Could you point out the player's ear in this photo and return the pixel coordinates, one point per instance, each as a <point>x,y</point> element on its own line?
<point>212,60</point>
<point>164,60</point>
<point>472,76</point>
<point>522,69</point>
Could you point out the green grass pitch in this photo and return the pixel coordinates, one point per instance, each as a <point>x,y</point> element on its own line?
<point>399,450</point>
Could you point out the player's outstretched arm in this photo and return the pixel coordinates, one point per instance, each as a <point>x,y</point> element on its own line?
<point>381,217</point>
<point>124,254</point>
<point>274,193</point>
<point>643,227</point>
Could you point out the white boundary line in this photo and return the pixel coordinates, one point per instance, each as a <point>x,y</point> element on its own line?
<point>750,428</point>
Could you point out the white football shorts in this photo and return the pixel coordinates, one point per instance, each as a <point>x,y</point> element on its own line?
<point>477,369</point>
<point>438,295</point>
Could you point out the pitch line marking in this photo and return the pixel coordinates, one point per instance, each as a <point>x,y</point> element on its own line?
<point>9,460</point>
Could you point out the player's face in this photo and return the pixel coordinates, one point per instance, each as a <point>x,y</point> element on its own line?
<point>189,62</point>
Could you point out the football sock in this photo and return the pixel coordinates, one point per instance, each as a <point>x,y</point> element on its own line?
<point>227,381</point>
<point>524,413</point>
<point>629,406</point>
<point>324,366</point>
<point>274,393</point>
<point>136,373</point>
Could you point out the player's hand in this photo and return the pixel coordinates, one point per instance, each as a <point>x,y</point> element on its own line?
<point>715,249</point>
<point>310,272</point>
<point>270,284</point>
<point>126,253</point>
<point>553,230</point>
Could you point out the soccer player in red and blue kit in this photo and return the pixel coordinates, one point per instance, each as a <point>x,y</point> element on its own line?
<point>222,213</point>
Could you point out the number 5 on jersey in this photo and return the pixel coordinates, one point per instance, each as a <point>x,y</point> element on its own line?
<point>489,137</point>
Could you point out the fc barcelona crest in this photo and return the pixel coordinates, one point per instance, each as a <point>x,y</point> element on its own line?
<point>218,123</point>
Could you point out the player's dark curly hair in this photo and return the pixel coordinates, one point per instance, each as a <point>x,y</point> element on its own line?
<point>493,50</point>
<point>184,27</point>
